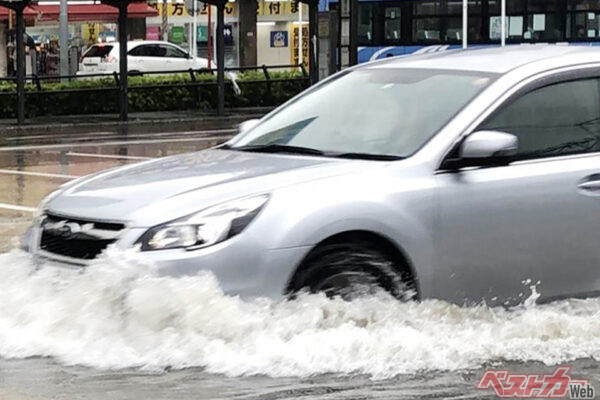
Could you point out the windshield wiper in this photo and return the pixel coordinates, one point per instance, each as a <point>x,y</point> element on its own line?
<point>367,156</point>
<point>280,148</point>
<point>284,148</point>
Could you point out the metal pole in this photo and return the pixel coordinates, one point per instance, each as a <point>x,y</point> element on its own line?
<point>221,58</point>
<point>20,32</point>
<point>353,32</point>
<point>313,43</point>
<point>195,30</point>
<point>164,20</point>
<point>209,57</point>
<point>503,23</point>
<point>63,38</point>
<point>465,22</point>
<point>300,27</point>
<point>123,61</point>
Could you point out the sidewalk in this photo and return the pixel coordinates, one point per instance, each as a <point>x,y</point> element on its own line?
<point>159,121</point>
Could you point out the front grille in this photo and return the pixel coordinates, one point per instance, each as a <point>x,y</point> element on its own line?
<point>77,238</point>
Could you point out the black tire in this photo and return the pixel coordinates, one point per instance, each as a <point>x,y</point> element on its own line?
<point>350,270</point>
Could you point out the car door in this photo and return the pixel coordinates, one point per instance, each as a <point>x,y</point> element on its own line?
<point>139,58</point>
<point>537,219</point>
<point>175,59</point>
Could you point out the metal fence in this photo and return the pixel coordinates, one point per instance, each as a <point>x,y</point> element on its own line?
<point>201,87</point>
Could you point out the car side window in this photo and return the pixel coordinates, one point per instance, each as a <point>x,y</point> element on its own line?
<point>138,51</point>
<point>173,52</point>
<point>555,120</point>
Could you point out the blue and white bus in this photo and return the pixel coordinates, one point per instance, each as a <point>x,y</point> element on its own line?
<point>390,28</point>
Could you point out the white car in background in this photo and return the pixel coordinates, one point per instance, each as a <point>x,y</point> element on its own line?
<point>143,56</point>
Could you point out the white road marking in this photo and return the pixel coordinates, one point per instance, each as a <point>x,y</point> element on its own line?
<point>111,156</point>
<point>16,208</point>
<point>98,135</point>
<point>114,143</point>
<point>33,173</point>
<point>51,135</point>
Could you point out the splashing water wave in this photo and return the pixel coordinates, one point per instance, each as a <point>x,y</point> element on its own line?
<point>120,314</point>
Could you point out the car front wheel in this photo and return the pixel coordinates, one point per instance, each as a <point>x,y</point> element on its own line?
<point>351,270</point>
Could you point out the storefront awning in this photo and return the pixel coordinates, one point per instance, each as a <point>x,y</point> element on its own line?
<point>95,12</point>
<point>29,13</point>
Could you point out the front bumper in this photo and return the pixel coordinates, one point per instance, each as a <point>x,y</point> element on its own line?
<point>241,264</point>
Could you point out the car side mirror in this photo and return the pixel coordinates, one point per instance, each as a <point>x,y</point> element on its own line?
<point>247,125</point>
<point>484,148</point>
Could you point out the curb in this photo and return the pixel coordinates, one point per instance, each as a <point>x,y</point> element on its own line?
<point>138,123</point>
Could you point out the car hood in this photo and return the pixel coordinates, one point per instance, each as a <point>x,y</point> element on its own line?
<point>157,191</point>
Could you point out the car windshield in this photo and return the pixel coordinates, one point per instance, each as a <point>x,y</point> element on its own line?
<point>371,111</point>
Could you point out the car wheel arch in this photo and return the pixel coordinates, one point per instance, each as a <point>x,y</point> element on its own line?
<point>380,241</point>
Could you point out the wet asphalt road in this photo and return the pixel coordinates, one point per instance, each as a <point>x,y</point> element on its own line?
<point>33,165</point>
<point>42,378</point>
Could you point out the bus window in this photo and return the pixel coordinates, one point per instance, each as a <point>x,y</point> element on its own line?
<point>365,24</point>
<point>427,29</point>
<point>392,24</point>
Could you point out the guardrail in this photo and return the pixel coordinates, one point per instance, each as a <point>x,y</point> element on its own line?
<point>193,84</point>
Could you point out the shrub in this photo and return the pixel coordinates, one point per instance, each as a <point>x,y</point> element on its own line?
<point>151,93</point>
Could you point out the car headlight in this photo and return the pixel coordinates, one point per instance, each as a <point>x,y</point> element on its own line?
<point>205,228</point>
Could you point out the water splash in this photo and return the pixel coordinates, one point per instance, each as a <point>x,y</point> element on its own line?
<point>120,314</point>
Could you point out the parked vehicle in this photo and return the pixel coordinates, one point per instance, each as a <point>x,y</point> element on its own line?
<point>463,176</point>
<point>143,56</point>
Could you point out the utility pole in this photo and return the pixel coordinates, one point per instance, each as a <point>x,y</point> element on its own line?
<point>221,58</point>
<point>123,68</point>
<point>247,32</point>
<point>63,38</point>
<point>20,65</point>
<point>165,20</point>
<point>195,30</point>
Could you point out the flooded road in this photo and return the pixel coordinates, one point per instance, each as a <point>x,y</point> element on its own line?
<point>119,331</point>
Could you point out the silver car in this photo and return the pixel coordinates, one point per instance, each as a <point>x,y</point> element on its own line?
<point>465,176</point>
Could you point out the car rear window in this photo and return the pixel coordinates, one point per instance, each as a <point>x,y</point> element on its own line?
<point>98,51</point>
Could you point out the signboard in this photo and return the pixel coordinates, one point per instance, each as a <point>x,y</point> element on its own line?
<point>279,39</point>
<point>202,34</point>
<point>180,10</point>
<point>279,8</point>
<point>90,33</point>
<point>265,8</point>
<point>295,44</point>
<point>176,35</point>
<point>227,34</point>
<point>152,33</point>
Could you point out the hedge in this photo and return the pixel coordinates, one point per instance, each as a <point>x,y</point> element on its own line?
<point>151,93</point>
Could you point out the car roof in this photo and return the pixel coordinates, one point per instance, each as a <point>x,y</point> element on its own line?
<point>134,43</point>
<point>497,59</point>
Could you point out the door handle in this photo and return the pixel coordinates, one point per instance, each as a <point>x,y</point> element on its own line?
<point>590,185</point>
